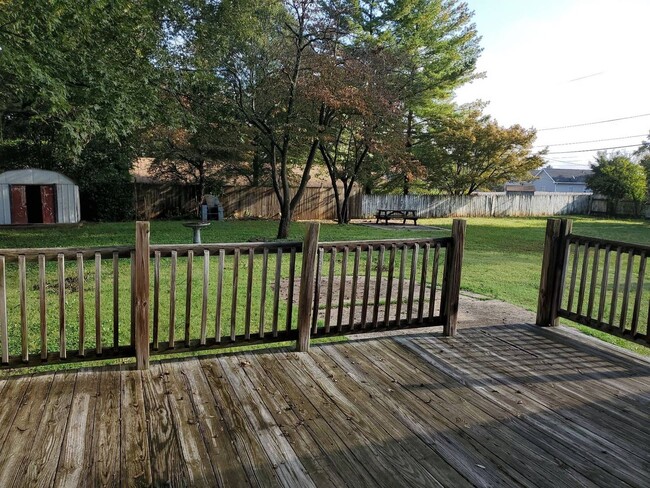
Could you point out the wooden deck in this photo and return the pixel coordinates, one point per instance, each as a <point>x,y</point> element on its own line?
<point>494,406</point>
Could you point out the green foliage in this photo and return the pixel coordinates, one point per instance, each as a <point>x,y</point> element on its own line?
<point>470,151</point>
<point>618,178</point>
<point>643,158</point>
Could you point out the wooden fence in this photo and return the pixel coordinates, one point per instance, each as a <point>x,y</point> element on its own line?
<point>595,282</point>
<point>483,205</point>
<point>158,201</point>
<point>117,302</point>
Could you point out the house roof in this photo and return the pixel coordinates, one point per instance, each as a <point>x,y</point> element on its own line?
<point>564,175</point>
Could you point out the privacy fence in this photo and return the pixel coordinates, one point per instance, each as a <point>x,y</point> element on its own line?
<point>595,282</point>
<point>93,303</point>
<point>318,203</point>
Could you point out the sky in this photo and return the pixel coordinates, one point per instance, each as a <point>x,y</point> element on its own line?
<point>558,63</point>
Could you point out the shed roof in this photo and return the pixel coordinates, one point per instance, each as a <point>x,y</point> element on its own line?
<point>33,176</point>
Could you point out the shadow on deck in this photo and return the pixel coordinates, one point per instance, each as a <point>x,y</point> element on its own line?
<point>493,406</point>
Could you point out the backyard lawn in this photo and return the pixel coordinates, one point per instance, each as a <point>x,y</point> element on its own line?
<point>502,258</point>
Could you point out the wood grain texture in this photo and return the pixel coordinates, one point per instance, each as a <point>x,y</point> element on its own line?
<point>188,296</point>
<point>172,299</point>
<point>306,292</point>
<point>249,294</point>
<point>4,334</point>
<point>62,326</point>
<point>98,303</point>
<point>217,319</point>
<point>204,297</point>
<point>156,300</point>
<point>141,302</point>
<point>116,301</point>
<point>264,279</point>
<point>82,305</point>
<point>42,308</point>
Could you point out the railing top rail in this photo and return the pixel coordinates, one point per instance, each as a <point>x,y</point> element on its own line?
<point>383,242</point>
<point>625,246</point>
<point>51,253</point>
<point>229,248</point>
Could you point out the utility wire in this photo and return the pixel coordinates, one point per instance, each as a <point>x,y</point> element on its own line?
<point>587,142</point>
<point>594,123</point>
<point>595,149</point>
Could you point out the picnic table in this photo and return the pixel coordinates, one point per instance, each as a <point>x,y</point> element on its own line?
<point>390,214</point>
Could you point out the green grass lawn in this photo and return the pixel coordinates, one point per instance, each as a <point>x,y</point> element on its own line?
<point>502,259</point>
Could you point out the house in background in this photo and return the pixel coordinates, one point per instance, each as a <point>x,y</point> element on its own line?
<point>561,180</point>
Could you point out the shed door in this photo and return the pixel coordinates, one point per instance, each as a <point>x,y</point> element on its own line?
<point>47,203</point>
<point>18,204</point>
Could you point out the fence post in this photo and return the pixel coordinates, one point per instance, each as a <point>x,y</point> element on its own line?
<point>453,268</point>
<point>141,295</point>
<point>553,261</point>
<point>306,293</point>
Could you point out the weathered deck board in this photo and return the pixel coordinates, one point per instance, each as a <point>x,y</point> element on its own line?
<point>493,406</point>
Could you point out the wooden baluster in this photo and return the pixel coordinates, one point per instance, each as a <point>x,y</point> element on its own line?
<point>583,279</point>
<point>233,307</point>
<point>265,264</point>
<point>603,285</point>
<point>434,282</point>
<point>639,296</point>
<point>292,279</point>
<point>330,285</point>
<point>172,300</point>
<point>82,305</point>
<point>22,289</point>
<point>217,314</point>
<point>617,276</point>
<point>188,297</point>
<point>156,299</point>
<point>204,300</point>
<point>380,269</point>
<point>116,301</point>
<point>317,287</point>
<point>42,296</point>
<point>594,279</point>
<point>98,303</point>
<point>626,290</point>
<point>61,281</point>
<point>355,279</point>
<point>249,294</point>
<point>389,284</point>
<point>306,291</point>
<point>366,288</point>
<point>423,282</point>
<point>132,299</point>
<point>276,291</point>
<point>141,302</point>
<point>4,333</point>
<point>574,274</point>
<point>400,287</point>
<point>413,277</point>
<point>344,265</point>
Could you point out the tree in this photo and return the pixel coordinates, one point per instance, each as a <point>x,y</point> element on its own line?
<point>360,121</point>
<point>470,151</point>
<point>78,82</point>
<point>617,178</point>
<point>643,158</point>
<point>267,64</point>
<point>438,46</point>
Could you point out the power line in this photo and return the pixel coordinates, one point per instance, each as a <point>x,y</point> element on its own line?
<point>595,149</point>
<point>594,123</point>
<point>587,142</point>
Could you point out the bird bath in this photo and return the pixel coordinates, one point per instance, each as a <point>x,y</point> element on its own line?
<point>196,228</point>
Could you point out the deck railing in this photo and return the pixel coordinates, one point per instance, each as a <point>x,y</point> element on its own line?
<point>594,282</point>
<point>178,298</point>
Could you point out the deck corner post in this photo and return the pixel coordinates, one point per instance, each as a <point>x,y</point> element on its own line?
<point>553,259</point>
<point>453,269</point>
<point>141,295</point>
<point>307,285</point>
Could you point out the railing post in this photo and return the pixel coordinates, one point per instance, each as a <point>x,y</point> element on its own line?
<point>141,295</point>
<point>453,268</point>
<point>553,261</point>
<point>306,293</point>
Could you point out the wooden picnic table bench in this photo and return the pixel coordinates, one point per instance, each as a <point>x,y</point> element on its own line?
<point>389,214</point>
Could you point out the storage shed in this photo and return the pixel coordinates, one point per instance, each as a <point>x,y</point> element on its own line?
<point>35,196</point>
